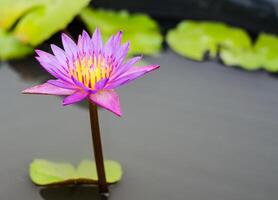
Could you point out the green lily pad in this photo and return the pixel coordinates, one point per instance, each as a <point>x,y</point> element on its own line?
<point>193,39</point>
<point>266,48</point>
<point>141,30</point>
<point>263,55</point>
<point>87,170</point>
<point>12,10</point>
<point>43,21</point>
<point>11,47</point>
<point>37,20</point>
<point>25,23</point>
<point>244,58</point>
<point>195,47</point>
<point>44,172</point>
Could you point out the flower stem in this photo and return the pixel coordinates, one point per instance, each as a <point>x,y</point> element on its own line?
<point>103,187</point>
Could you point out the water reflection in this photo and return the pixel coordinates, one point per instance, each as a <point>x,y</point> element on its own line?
<point>71,193</point>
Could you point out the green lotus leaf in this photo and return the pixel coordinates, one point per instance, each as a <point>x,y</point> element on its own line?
<point>87,170</point>
<point>30,22</point>
<point>262,55</point>
<point>43,21</point>
<point>11,47</point>
<point>139,29</point>
<point>266,48</point>
<point>193,39</point>
<point>12,10</point>
<point>226,36</point>
<point>44,172</point>
<point>187,39</point>
<point>244,58</point>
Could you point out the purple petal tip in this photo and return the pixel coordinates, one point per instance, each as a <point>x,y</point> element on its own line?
<point>38,51</point>
<point>24,91</point>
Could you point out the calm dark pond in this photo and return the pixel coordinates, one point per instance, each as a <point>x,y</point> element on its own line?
<point>190,131</point>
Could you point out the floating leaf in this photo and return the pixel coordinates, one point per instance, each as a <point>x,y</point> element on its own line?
<point>266,48</point>
<point>188,43</point>
<point>42,22</point>
<point>44,172</point>
<point>140,29</point>
<point>12,10</point>
<point>193,39</point>
<point>32,22</point>
<point>244,58</point>
<point>87,170</point>
<point>38,19</point>
<point>264,54</point>
<point>11,47</point>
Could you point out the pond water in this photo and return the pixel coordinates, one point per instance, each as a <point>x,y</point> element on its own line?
<point>189,131</point>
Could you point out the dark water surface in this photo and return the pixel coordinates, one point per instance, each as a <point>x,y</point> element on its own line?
<point>190,131</point>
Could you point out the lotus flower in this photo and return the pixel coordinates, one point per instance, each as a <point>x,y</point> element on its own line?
<point>89,70</point>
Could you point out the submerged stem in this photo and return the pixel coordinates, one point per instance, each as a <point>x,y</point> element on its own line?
<point>103,187</point>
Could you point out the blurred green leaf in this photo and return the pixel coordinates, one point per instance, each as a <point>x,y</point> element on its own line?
<point>266,47</point>
<point>187,40</point>
<point>12,10</point>
<point>48,18</point>
<point>244,58</point>
<point>139,29</point>
<point>264,54</point>
<point>87,170</point>
<point>11,47</point>
<point>30,22</point>
<point>193,39</point>
<point>44,172</point>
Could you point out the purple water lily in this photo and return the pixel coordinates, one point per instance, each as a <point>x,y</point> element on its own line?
<point>89,69</point>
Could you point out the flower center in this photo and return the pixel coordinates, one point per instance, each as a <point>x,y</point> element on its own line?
<point>90,70</point>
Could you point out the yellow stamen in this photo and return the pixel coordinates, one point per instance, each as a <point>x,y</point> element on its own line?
<point>89,70</point>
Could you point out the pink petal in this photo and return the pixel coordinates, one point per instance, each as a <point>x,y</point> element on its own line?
<point>101,84</point>
<point>97,41</point>
<point>60,55</point>
<point>62,84</point>
<point>107,99</point>
<point>69,46</point>
<point>109,46</point>
<point>113,44</point>
<point>118,40</point>
<point>75,97</point>
<point>52,65</point>
<point>85,43</point>
<point>48,89</point>
<point>122,52</point>
<point>80,85</point>
<point>126,66</point>
<point>131,74</point>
